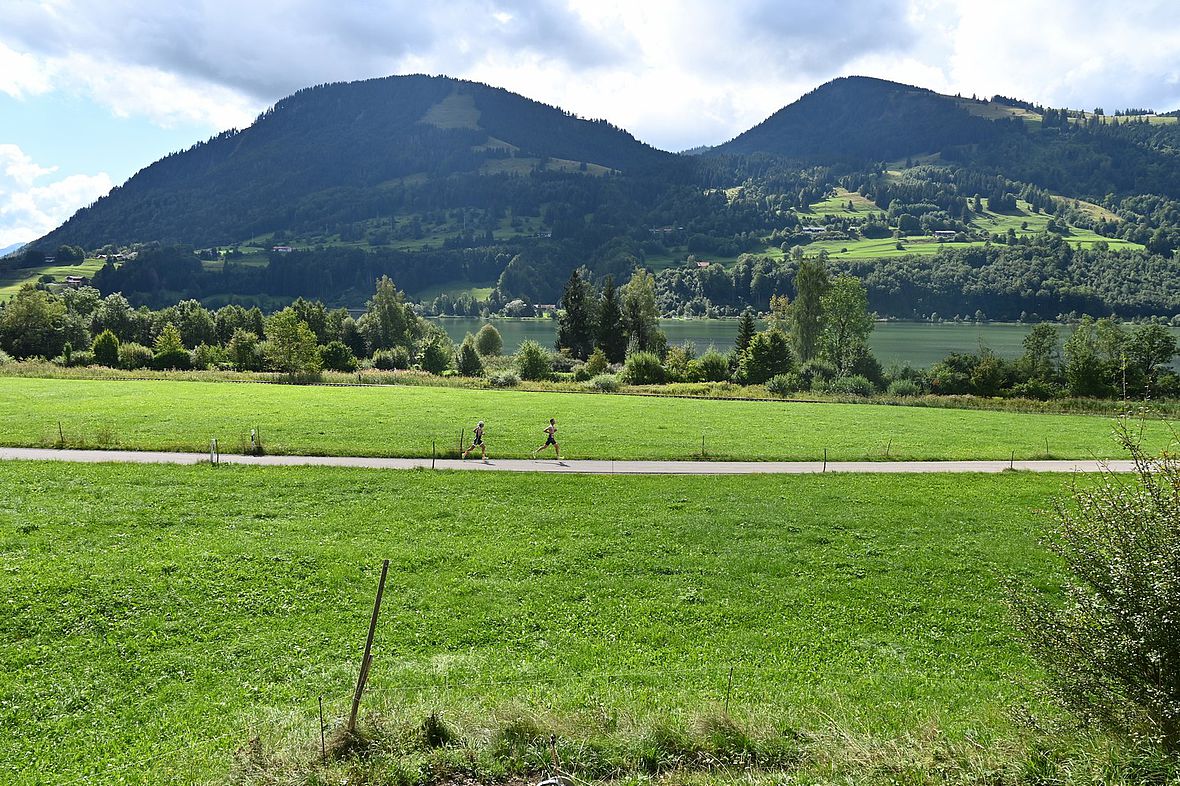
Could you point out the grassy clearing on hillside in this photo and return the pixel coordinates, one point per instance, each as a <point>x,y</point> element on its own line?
<point>837,205</point>
<point>402,421</point>
<point>11,283</point>
<point>157,616</point>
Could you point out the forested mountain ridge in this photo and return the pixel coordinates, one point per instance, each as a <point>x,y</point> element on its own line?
<point>858,118</point>
<point>472,198</point>
<point>338,152</point>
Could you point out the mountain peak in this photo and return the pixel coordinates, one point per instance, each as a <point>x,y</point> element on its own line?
<point>864,118</point>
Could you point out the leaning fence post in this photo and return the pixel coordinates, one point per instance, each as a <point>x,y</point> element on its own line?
<point>367,660</point>
<point>825,469</point>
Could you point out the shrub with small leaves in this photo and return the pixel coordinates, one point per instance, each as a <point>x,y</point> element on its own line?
<point>336,356</point>
<point>643,368</point>
<point>904,388</point>
<point>532,361</point>
<point>5,358</point>
<point>467,359</point>
<point>604,383</point>
<point>134,356</point>
<point>712,366</point>
<point>396,359</point>
<point>488,341</point>
<point>854,385</point>
<point>783,384</point>
<point>206,357</point>
<point>170,352</point>
<point>435,355</point>
<point>505,379</point>
<point>106,349</point>
<point>1111,648</point>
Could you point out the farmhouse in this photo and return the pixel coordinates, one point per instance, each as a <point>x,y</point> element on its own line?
<point>944,234</point>
<point>282,249</point>
<point>813,230</point>
<point>76,281</point>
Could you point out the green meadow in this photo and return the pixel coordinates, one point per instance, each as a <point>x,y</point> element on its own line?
<point>157,618</point>
<point>406,420</point>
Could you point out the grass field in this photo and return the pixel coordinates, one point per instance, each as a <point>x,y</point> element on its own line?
<point>402,421</point>
<point>155,617</point>
<point>11,283</point>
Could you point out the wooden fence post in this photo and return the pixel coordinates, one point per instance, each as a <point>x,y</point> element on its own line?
<point>367,660</point>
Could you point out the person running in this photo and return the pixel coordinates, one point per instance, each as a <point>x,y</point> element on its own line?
<point>550,439</point>
<point>477,442</point>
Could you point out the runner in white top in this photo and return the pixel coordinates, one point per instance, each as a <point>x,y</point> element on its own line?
<point>550,439</point>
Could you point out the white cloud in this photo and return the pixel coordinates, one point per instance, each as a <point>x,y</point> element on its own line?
<point>676,73</point>
<point>32,203</point>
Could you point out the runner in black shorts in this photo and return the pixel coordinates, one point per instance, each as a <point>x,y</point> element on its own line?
<point>550,439</point>
<point>477,442</point>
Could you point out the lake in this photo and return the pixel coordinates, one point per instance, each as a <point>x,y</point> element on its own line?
<point>916,343</point>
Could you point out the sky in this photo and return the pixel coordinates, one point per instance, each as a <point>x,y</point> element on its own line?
<point>91,91</point>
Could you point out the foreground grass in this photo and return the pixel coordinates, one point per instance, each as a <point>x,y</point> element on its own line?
<point>157,617</point>
<point>404,421</point>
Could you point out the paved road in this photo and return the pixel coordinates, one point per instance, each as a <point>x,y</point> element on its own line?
<point>580,466</point>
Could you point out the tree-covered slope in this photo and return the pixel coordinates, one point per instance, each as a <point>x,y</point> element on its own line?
<point>348,144</point>
<point>860,118</point>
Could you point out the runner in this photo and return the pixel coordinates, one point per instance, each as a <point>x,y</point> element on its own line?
<point>477,442</point>
<point>550,439</point>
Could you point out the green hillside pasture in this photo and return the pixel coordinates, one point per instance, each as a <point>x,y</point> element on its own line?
<point>993,223</point>
<point>155,617</point>
<point>477,290</point>
<point>10,283</point>
<point>837,205</point>
<point>403,421</point>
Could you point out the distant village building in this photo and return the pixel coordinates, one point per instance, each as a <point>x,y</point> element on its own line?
<point>703,263</point>
<point>282,249</point>
<point>945,234</point>
<point>76,281</point>
<point>813,230</point>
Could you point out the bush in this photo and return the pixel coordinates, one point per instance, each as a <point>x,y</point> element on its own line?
<point>5,358</point>
<point>604,383</point>
<point>336,356</point>
<point>396,359</point>
<point>904,388</point>
<point>505,379</point>
<point>80,359</point>
<point>854,385</point>
<point>134,356</point>
<point>1036,389</point>
<point>206,357</point>
<point>106,349</point>
<point>532,361</point>
<point>783,384</point>
<point>815,373</point>
<point>244,350</point>
<point>643,368</point>
<point>488,341</point>
<point>709,367</point>
<point>769,354</point>
<point>467,359</point>
<point>1108,639</point>
<point>436,355</point>
<point>597,363</point>
<point>170,352</point>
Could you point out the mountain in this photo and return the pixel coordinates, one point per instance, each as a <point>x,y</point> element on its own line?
<point>346,152</point>
<point>860,120</point>
<point>863,118</point>
<point>11,249</point>
<point>454,188</point>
